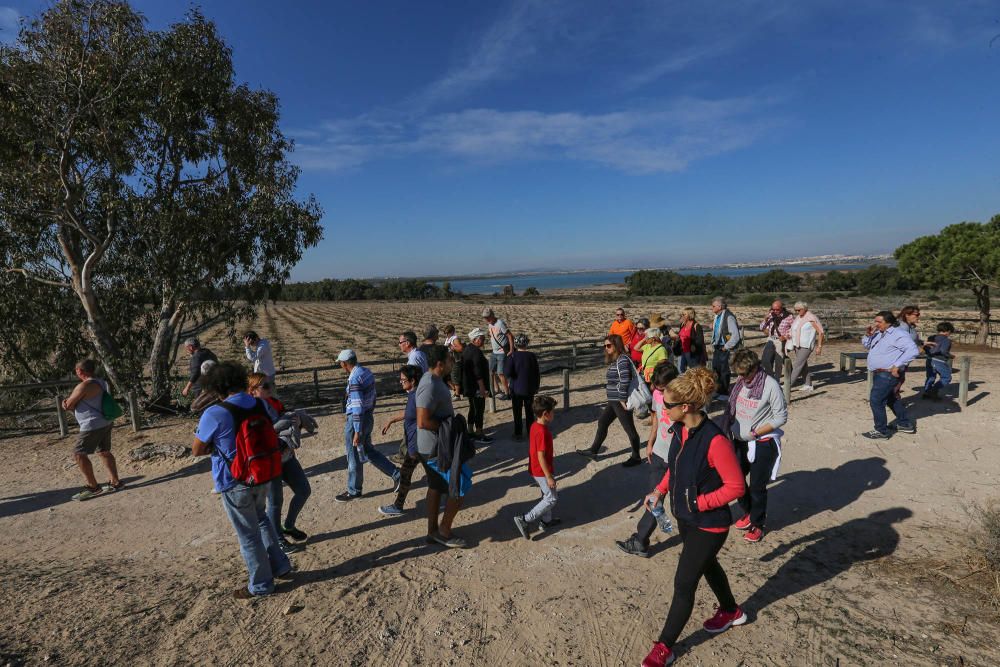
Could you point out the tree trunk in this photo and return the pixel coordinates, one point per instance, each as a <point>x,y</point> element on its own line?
<point>163,346</point>
<point>983,302</point>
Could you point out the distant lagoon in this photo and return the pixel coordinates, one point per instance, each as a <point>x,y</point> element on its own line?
<point>545,282</point>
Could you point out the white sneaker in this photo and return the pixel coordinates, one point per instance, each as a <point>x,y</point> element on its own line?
<point>805,388</point>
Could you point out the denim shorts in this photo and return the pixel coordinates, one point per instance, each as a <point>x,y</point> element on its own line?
<point>496,362</point>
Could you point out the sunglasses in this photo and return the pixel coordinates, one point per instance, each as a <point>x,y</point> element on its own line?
<point>640,328</point>
<point>608,346</point>
<point>668,405</point>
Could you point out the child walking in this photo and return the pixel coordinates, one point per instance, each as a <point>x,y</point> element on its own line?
<point>540,453</point>
<point>938,350</point>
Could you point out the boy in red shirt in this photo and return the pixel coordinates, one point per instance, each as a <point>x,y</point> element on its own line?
<point>540,466</point>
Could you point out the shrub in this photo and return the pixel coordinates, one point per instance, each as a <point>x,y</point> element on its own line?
<point>531,291</point>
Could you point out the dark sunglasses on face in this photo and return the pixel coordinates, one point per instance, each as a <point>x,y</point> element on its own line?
<point>608,346</point>
<point>265,385</point>
<point>668,405</point>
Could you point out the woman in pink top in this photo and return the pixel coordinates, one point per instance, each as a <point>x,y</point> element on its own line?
<point>806,334</point>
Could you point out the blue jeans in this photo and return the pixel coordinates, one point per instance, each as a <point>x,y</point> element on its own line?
<point>295,477</point>
<point>938,373</point>
<point>884,394</point>
<point>355,469</point>
<point>244,506</point>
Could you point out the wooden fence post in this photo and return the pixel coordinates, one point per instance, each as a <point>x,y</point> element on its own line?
<point>964,364</point>
<point>316,385</point>
<point>133,411</point>
<point>493,403</point>
<point>61,416</point>
<point>565,389</point>
<point>787,385</point>
<point>573,360</point>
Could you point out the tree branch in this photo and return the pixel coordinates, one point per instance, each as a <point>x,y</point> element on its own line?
<point>39,279</point>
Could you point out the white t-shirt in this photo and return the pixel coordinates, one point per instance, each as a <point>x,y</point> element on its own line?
<point>498,336</point>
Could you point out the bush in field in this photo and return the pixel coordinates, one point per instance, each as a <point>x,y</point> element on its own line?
<point>531,291</point>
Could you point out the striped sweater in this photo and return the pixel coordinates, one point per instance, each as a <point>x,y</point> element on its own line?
<point>360,395</point>
<point>619,378</point>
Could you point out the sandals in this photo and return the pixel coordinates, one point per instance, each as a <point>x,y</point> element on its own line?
<point>90,492</point>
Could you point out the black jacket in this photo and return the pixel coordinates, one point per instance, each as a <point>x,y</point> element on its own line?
<point>691,476</point>
<point>474,368</point>
<point>454,448</point>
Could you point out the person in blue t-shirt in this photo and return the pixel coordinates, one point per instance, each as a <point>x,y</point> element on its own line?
<point>409,377</point>
<point>244,505</point>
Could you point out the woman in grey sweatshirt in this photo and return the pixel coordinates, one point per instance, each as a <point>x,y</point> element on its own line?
<point>754,417</point>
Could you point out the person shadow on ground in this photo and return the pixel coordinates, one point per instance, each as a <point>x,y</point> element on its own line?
<point>798,496</point>
<point>825,555</point>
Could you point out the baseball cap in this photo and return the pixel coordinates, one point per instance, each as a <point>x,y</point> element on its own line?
<point>347,355</point>
<point>476,333</point>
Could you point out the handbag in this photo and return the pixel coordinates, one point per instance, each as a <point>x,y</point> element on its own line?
<point>639,396</point>
<point>110,408</point>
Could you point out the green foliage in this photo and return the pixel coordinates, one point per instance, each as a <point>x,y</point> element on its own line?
<point>135,172</point>
<point>531,291</point>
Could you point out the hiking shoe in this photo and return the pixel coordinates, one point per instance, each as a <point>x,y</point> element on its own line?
<point>89,493</point>
<point>396,481</point>
<point>755,534</point>
<point>287,547</point>
<point>742,524</point>
<point>294,533</point>
<point>659,656</point>
<point>632,461</point>
<point>586,453</point>
<point>723,620</point>
<point>453,542</point>
<point>523,527</point>
<point>548,525</point>
<point>906,428</point>
<point>633,546</point>
<point>243,594</point>
<point>390,510</point>
<point>485,439</point>
<point>876,435</point>
<point>346,497</point>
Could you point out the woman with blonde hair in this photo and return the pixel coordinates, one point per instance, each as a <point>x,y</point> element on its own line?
<point>689,342</point>
<point>703,476</point>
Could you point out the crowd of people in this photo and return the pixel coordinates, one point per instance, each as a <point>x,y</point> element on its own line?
<point>697,466</point>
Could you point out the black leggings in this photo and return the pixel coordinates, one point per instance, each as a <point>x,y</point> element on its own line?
<point>647,523</point>
<point>521,403</point>
<point>615,410</point>
<point>477,408</point>
<point>698,557</point>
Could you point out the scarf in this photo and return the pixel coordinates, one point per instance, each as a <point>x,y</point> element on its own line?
<point>756,386</point>
<point>774,321</point>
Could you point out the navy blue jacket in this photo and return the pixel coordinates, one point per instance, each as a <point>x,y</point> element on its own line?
<point>521,369</point>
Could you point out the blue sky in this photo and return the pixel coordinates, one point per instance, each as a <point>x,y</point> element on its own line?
<point>574,134</point>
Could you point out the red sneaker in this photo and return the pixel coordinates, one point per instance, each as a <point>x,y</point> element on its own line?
<point>742,524</point>
<point>723,620</point>
<point>660,656</point>
<point>755,534</point>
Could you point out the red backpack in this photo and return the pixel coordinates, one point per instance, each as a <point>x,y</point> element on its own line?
<point>258,457</point>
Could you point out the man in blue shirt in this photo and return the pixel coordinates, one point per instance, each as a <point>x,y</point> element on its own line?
<point>360,410</point>
<point>890,349</point>
<point>244,505</point>
<point>725,338</point>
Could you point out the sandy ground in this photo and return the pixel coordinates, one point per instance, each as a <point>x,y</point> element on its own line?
<point>865,562</point>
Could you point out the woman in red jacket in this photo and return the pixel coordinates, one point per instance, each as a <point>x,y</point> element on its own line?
<point>703,476</point>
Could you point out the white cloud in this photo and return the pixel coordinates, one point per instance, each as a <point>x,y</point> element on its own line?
<point>9,24</point>
<point>664,139</point>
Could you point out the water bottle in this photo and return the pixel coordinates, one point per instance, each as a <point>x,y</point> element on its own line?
<point>662,520</point>
<point>362,457</point>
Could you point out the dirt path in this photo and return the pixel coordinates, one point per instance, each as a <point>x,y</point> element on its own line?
<point>865,537</point>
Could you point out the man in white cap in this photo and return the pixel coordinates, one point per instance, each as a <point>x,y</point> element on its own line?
<point>502,344</point>
<point>476,372</point>
<point>360,409</point>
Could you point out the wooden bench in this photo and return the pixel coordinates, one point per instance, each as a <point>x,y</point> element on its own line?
<point>849,360</point>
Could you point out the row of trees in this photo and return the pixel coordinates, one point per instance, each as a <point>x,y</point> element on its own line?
<point>138,181</point>
<point>362,290</point>
<point>872,280</point>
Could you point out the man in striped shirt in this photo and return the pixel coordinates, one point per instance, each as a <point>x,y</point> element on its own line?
<point>360,408</point>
